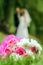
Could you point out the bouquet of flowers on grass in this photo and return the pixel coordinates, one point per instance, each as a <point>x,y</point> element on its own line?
<point>19,48</point>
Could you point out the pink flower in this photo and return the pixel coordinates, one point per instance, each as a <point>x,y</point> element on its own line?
<point>11,40</point>
<point>33,49</point>
<point>20,51</point>
<point>8,51</point>
<point>9,37</point>
<point>2,48</point>
<point>8,43</point>
<point>2,53</point>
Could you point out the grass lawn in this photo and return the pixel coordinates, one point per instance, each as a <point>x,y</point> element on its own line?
<point>24,61</point>
<point>2,36</point>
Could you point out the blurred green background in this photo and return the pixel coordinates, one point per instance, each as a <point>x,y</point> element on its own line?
<point>7,11</point>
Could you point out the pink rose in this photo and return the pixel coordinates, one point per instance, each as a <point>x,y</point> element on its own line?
<point>7,51</point>
<point>20,51</point>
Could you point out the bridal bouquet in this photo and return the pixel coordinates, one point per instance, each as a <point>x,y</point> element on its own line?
<point>20,48</point>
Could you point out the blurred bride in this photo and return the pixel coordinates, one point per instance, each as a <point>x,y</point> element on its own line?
<point>24,22</point>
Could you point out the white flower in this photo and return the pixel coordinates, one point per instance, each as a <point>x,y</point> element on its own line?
<point>36,44</point>
<point>23,42</point>
<point>32,43</point>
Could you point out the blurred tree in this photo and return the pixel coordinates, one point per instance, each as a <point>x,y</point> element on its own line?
<point>6,9</point>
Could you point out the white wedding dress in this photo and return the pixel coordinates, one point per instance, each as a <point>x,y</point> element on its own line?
<point>22,30</point>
